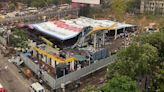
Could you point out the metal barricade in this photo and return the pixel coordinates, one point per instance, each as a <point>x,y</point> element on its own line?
<point>3,41</point>
<point>48,79</point>
<point>56,83</point>
<point>83,72</point>
<point>29,63</point>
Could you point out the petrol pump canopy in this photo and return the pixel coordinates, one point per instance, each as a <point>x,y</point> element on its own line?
<point>67,29</point>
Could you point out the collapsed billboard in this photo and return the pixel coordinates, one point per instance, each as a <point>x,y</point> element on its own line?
<point>58,29</point>
<point>87,1</point>
<point>67,29</point>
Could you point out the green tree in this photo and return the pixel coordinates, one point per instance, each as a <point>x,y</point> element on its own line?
<point>120,84</point>
<point>155,39</point>
<point>159,77</point>
<point>106,3</point>
<point>119,7</point>
<point>12,6</point>
<point>55,1</point>
<point>90,88</point>
<point>19,38</point>
<point>37,3</point>
<point>135,61</point>
<point>1,6</point>
<point>48,2</point>
<point>144,57</point>
<point>134,5</point>
<point>41,3</point>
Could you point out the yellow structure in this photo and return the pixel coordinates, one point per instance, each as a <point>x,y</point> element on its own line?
<point>53,57</point>
<point>47,41</point>
<point>102,29</point>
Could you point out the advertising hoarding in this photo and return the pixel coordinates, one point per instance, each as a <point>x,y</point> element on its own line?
<point>87,1</point>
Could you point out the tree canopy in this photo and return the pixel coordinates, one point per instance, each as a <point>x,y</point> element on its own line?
<point>156,40</point>
<point>120,84</point>
<point>19,38</point>
<point>144,57</point>
<point>135,61</point>
<point>119,7</point>
<point>40,3</point>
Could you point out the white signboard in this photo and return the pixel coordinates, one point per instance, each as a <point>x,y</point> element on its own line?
<point>57,29</point>
<point>87,1</point>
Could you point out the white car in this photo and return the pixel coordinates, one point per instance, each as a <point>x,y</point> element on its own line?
<point>37,87</point>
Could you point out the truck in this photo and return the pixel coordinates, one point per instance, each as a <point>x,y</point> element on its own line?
<point>2,89</point>
<point>37,87</point>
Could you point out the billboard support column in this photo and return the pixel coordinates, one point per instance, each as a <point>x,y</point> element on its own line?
<point>115,36</point>
<point>95,40</point>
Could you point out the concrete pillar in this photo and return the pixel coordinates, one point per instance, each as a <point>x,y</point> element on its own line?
<point>103,39</point>
<point>115,36</point>
<point>77,12</point>
<point>63,87</point>
<point>72,66</point>
<point>44,59</point>
<point>58,16</point>
<point>47,61</point>
<point>142,8</point>
<point>124,30</point>
<point>39,56</point>
<point>95,40</point>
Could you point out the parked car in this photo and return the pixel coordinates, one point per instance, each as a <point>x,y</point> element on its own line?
<point>37,87</point>
<point>2,89</point>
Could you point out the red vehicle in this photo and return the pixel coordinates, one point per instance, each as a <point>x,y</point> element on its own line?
<point>2,89</point>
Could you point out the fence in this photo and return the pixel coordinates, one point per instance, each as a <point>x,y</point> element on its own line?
<point>29,63</point>
<point>56,83</point>
<point>83,72</point>
<point>38,17</point>
<point>49,79</point>
<point>3,41</point>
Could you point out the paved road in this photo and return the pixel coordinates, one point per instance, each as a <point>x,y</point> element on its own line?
<point>11,79</point>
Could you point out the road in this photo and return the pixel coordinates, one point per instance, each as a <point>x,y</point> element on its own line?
<point>10,78</point>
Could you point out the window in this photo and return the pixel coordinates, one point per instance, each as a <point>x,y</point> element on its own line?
<point>41,90</point>
<point>33,89</point>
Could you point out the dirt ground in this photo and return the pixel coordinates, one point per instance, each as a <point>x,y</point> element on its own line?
<point>10,77</point>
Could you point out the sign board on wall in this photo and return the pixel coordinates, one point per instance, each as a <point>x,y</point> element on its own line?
<point>87,1</point>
